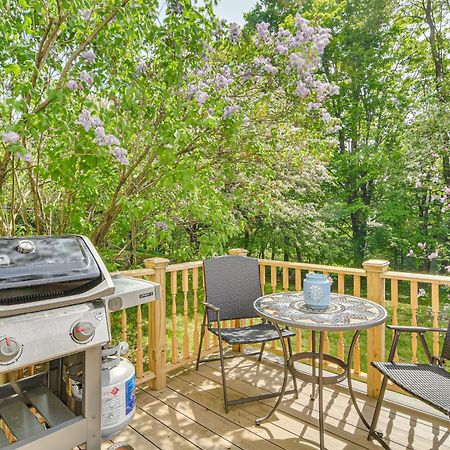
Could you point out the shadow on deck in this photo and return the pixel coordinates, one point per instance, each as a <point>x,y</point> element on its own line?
<point>189,414</point>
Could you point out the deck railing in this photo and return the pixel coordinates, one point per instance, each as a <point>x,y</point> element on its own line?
<point>164,335</point>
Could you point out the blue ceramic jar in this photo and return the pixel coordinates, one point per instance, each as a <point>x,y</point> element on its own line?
<point>316,290</point>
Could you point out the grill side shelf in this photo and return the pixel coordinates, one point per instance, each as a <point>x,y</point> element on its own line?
<point>49,405</point>
<point>19,418</point>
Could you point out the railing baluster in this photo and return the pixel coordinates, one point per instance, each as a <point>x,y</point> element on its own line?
<point>285,279</point>
<point>262,278</point>
<point>394,302</point>
<point>414,306</point>
<point>139,353</point>
<point>273,285</point>
<point>173,290</point>
<point>185,289</point>
<point>341,290</point>
<point>435,311</point>
<point>273,278</point>
<point>195,289</point>
<point>207,333</point>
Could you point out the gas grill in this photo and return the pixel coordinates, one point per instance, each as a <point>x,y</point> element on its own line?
<point>54,293</point>
<point>45,272</point>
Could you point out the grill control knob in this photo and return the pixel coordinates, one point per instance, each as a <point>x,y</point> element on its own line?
<point>82,332</point>
<point>26,246</point>
<point>9,349</point>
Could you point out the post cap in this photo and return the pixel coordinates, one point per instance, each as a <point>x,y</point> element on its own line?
<point>156,262</point>
<point>376,265</point>
<point>238,251</point>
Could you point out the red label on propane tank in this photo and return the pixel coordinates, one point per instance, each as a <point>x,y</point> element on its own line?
<point>114,390</point>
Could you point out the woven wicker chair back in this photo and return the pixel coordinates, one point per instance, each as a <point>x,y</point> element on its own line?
<point>232,284</point>
<point>446,348</point>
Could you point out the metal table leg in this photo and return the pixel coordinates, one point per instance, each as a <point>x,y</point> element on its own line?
<point>377,436</point>
<point>283,387</point>
<point>313,365</point>
<point>321,425</point>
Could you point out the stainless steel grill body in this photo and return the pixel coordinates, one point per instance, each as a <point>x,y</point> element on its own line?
<point>50,306</point>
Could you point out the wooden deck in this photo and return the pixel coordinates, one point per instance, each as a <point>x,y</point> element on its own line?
<point>189,414</point>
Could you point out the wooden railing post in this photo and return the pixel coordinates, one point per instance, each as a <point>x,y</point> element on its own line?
<point>237,323</point>
<point>157,325</point>
<point>375,336</point>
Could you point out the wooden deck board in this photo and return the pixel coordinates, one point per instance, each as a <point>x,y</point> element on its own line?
<point>189,414</point>
<point>340,415</point>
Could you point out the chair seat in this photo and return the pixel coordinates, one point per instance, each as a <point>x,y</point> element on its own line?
<point>429,382</point>
<point>262,332</point>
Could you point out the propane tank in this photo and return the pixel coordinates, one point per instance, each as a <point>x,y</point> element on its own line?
<point>118,390</point>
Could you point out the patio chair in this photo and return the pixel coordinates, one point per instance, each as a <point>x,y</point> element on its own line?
<point>428,382</point>
<point>232,284</point>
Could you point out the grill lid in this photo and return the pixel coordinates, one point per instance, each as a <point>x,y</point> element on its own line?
<point>45,260</point>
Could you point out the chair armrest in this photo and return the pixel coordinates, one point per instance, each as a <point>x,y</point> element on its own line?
<point>211,307</point>
<point>410,329</point>
<point>398,329</point>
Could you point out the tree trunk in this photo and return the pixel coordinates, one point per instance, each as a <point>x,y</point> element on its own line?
<point>102,229</point>
<point>359,231</point>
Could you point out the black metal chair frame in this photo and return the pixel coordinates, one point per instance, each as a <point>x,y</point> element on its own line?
<point>212,316</point>
<point>432,359</point>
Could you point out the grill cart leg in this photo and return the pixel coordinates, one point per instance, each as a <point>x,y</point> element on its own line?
<point>92,394</point>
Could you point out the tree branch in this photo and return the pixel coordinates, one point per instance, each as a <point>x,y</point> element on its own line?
<point>76,53</point>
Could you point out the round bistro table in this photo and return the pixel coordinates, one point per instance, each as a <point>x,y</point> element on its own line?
<point>344,313</point>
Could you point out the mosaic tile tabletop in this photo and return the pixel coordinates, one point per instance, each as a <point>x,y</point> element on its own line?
<point>344,313</point>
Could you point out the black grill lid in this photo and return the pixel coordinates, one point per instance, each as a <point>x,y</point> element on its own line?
<point>45,260</point>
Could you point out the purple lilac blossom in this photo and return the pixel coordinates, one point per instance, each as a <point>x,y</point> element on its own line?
<point>234,32</point>
<point>201,97</point>
<point>88,55</point>
<point>326,116</point>
<point>263,31</point>
<point>229,110</point>
<point>25,157</point>
<point>433,255</point>
<point>141,67</point>
<point>281,48</point>
<point>86,77</point>
<point>191,90</point>
<point>301,90</point>
<point>85,14</point>
<point>120,154</point>
<point>223,81</point>
<point>410,253</point>
<point>72,85</point>
<point>161,225</point>
<point>87,121</point>
<point>313,105</point>
<point>422,246</point>
<point>10,137</point>
<point>270,68</point>
<point>421,293</point>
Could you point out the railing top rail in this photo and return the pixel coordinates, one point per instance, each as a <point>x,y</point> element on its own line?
<point>135,272</point>
<point>420,277</point>
<point>183,266</point>
<point>306,266</point>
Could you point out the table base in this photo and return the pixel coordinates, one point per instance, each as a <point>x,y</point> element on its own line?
<point>320,380</point>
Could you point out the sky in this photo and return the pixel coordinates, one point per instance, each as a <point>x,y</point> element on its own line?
<point>233,10</point>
